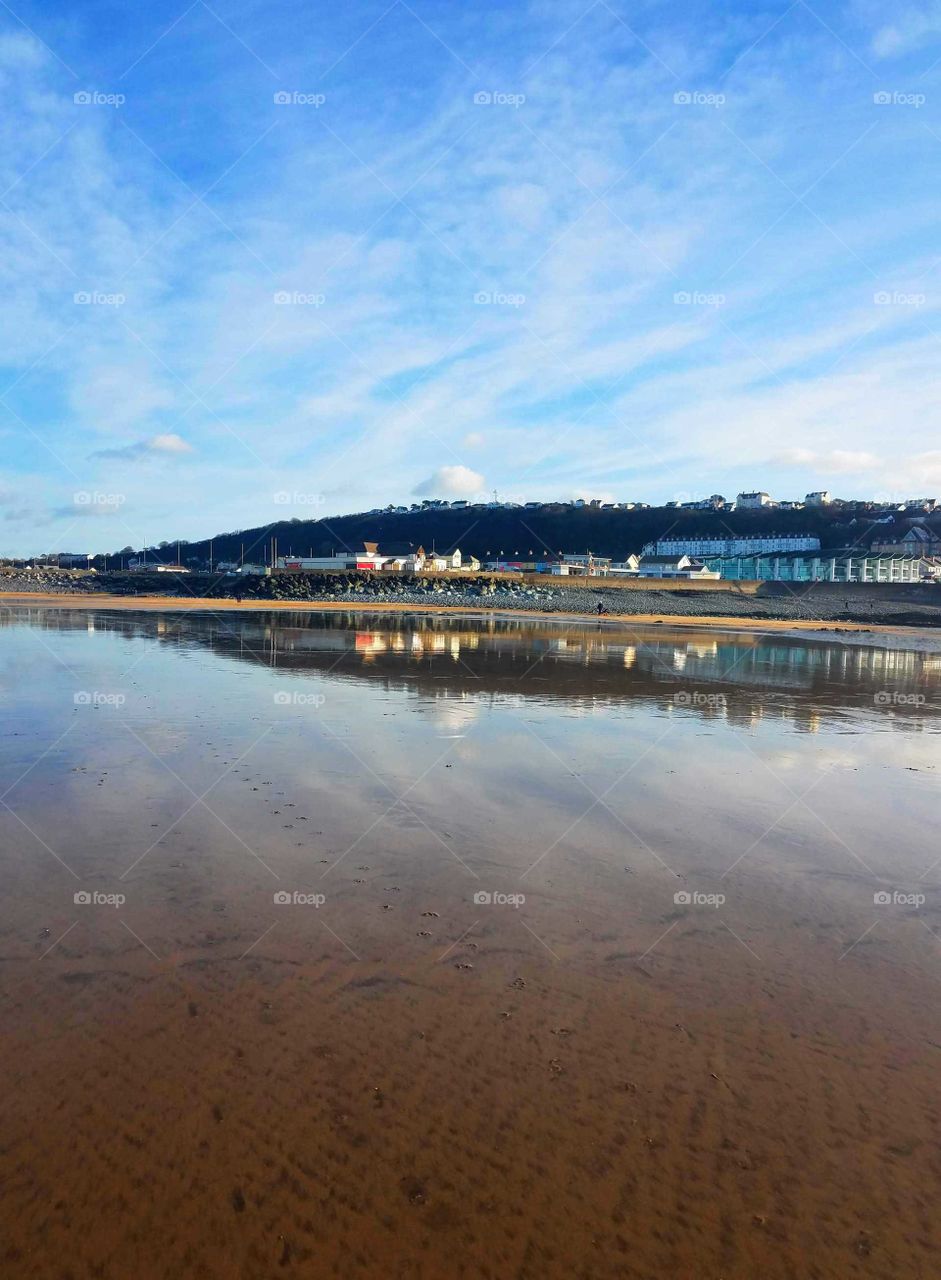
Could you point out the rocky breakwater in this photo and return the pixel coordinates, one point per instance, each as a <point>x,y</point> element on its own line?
<point>472,591</point>
<point>824,602</point>
<point>47,580</point>
<point>918,606</point>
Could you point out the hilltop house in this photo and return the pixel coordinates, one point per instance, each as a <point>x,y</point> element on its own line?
<point>753,501</point>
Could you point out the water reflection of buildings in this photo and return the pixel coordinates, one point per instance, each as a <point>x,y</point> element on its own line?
<point>743,678</point>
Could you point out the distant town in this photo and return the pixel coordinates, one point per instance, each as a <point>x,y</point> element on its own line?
<point>881,541</point>
<point>755,500</point>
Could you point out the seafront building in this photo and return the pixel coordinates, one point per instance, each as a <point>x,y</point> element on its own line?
<point>675,567</point>
<point>704,547</point>
<point>841,566</point>
<point>406,558</point>
<point>795,558</point>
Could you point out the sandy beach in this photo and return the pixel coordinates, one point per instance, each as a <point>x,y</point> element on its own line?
<point>225,605</point>
<point>675,1036</point>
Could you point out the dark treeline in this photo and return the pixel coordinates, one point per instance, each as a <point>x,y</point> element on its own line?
<point>511,532</point>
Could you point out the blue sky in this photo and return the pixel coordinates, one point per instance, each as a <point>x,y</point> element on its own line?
<point>265,261</point>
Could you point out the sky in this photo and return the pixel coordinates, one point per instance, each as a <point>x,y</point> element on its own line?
<point>266,261</point>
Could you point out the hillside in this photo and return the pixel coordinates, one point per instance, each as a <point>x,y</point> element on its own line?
<point>489,532</point>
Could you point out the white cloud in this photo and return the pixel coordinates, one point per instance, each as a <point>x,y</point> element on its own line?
<point>450,482</point>
<point>597,378</point>
<point>911,28</point>
<point>834,462</point>
<point>168,445</point>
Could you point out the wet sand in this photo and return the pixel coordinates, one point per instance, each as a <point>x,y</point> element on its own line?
<point>223,605</point>
<point>402,1081</point>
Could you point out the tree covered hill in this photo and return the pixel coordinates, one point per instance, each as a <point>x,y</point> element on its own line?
<point>515,532</point>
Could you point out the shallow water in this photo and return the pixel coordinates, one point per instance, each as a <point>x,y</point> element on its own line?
<point>605,951</point>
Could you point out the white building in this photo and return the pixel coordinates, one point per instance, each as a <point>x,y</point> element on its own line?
<point>819,498</point>
<point>675,567</point>
<point>413,562</point>
<point>703,547</point>
<point>442,561</point>
<point>753,501</point>
<point>368,558</point>
<point>399,559</point>
<point>587,563</point>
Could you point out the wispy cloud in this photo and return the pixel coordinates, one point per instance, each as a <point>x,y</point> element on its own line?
<point>693,256</point>
<point>911,27</point>
<point>168,445</point>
